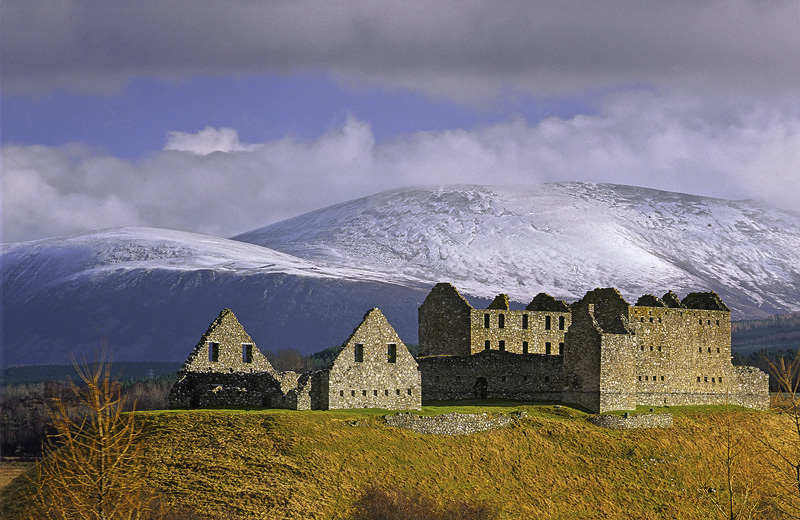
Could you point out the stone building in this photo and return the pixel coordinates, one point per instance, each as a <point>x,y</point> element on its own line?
<point>449,325</point>
<point>600,353</point>
<point>615,356</point>
<point>373,370</point>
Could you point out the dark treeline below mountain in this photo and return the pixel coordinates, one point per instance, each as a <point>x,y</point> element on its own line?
<point>778,332</point>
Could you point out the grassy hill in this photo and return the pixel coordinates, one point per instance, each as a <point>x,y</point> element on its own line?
<point>551,464</point>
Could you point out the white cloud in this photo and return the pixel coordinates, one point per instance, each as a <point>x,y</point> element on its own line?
<point>206,141</point>
<point>670,143</point>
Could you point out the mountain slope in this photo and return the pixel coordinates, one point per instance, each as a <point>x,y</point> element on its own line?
<point>152,293</point>
<point>562,238</point>
<point>306,282</point>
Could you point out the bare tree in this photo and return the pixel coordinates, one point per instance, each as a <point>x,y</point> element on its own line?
<point>93,467</point>
<point>787,448</point>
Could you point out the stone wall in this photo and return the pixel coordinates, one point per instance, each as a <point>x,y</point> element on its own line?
<point>631,421</point>
<point>444,323</point>
<point>492,375</point>
<point>449,424</point>
<point>374,370</point>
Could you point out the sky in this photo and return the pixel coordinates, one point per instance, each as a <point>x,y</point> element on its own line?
<point>222,117</point>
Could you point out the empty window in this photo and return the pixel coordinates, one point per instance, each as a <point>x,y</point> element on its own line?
<point>408,391</point>
<point>654,378</point>
<point>651,348</point>
<point>524,378</point>
<point>352,393</point>
<point>698,379</point>
<point>547,348</point>
<point>385,392</point>
<point>720,379</point>
<point>247,353</point>
<point>645,378</point>
<point>713,380</point>
<point>705,379</point>
<point>651,320</point>
<point>524,347</point>
<point>547,322</point>
<point>341,393</point>
<point>547,378</point>
<point>391,352</point>
<point>524,321</point>
<point>458,378</point>
<point>640,378</point>
<point>659,348</point>
<point>359,353</point>
<point>717,322</point>
<point>701,322</point>
<point>213,352</point>
<point>700,349</point>
<point>561,323</point>
<point>364,393</point>
<point>709,322</point>
<point>501,345</point>
<point>501,321</point>
<point>659,320</point>
<point>487,345</point>
<point>560,349</point>
<point>662,378</point>
<point>709,350</point>
<point>436,379</point>
<point>375,393</point>
<point>717,350</point>
<point>486,321</point>
<point>641,348</point>
<point>398,391</point>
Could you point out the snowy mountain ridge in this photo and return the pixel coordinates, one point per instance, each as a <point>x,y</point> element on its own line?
<point>561,238</point>
<point>306,282</point>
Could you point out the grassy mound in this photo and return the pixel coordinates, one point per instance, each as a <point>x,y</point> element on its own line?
<point>551,463</point>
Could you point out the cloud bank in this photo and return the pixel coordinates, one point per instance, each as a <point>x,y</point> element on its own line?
<point>211,183</point>
<point>463,50</point>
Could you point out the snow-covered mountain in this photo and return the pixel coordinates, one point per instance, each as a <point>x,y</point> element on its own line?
<point>151,293</point>
<point>305,282</point>
<point>562,238</point>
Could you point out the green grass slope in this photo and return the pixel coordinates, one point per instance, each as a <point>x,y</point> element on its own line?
<point>551,464</point>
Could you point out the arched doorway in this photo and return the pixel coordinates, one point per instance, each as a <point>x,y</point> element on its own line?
<point>480,389</point>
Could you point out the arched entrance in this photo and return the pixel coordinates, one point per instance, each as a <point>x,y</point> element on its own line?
<point>481,388</point>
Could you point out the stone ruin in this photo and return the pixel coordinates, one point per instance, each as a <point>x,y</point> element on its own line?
<point>600,353</point>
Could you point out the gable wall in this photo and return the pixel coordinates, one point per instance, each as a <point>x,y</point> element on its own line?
<point>374,382</point>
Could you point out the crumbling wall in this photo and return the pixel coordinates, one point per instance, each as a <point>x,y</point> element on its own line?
<point>492,375</point>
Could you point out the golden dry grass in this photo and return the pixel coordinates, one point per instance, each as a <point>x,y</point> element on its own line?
<point>551,464</point>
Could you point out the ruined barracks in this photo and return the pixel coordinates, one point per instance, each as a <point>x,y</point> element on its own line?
<point>599,353</point>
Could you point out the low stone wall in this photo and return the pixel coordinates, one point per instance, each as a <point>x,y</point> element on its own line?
<point>628,422</point>
<point>451,423</point>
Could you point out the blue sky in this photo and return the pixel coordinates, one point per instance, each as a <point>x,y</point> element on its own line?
<point>222,117</point>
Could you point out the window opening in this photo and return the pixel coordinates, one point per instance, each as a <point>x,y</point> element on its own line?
<point>352,393</point>
<point>391,353</point>
<point>213,352</point>
<point>524,347</point>
<point>662,378</point>
<point>560,349</point>
<point>408,391</point>
<point>247,353</point>
<point>501,321</point>
<point>501,345</point>
<point>385,392</point>
<point>359,353</point>
<point>547,348</point>
<point>398,391</point>
<point>341,393</point>
<point>524,321</point>
<point>364,393</point>
<point>486,321</point>
<point>487,345</point>
<point>547,322</point>
<point>375,393</point>
<point>561,323</point>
